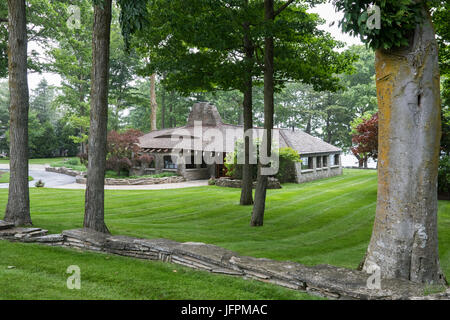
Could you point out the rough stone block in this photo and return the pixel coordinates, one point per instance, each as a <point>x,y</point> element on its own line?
<point>6,225</point>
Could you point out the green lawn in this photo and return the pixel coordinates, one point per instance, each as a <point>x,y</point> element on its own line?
<point>37,161</point>
<point>71,163</point>
<point>40,273</point>
<point>4,177</point>
<point>326,221</point>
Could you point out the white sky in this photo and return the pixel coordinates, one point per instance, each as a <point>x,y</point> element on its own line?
<point>326,11</point>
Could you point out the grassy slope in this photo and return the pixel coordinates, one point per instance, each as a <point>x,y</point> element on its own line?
<point>326,221</point>
<point>40,273</point>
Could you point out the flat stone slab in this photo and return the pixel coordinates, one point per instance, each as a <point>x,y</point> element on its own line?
<point>19,232</point>
<point>165,246</point>
<point>205,252</point>
<point>97,239</point>
<point>51,238</point>
<point>324,280</point>
<point>6,225</point>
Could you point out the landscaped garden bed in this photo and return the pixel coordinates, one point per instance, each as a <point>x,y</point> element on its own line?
<point>74,168</point>
<point>112,179</point>
<point>272,183</point>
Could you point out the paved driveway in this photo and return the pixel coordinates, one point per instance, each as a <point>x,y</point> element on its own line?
<point>51,179</point>
<point>62,181</point>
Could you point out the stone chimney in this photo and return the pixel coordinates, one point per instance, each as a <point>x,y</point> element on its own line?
<point>205,112</point>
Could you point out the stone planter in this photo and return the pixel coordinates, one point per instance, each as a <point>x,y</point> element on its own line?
<point>64,170</point>
<point>136,182</point>
<point>273,183</point>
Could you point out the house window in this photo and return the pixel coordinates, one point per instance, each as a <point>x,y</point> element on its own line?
<point>168,163</point>
<point>305,163</point>
<point>319,162</point>
<point>325,161</point>
<point>336,159</point>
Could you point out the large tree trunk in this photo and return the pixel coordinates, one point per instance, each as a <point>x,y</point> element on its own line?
<point>247,172</point>
<point>18,207</point>
<point>261,185</point>
<point>95,194</point>
<point>404,241</point>
<point>153,103</point>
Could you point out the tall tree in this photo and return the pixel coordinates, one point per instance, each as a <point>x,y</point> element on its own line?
<point>211,67</point>
<point>295,34</point>
<point>18,207</point>
<point>217,59</point>
<point>404,241</point>
<point>71,60</point>
<point>95,184</point>
<point>269,87</point>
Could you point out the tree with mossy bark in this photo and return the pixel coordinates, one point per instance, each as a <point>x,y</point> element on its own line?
<point>404,241</point>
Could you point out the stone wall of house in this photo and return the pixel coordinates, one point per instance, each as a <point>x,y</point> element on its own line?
<point>306,175</point>
<point>196,174</point>
<point>272,183</point>
<point>324,280</point>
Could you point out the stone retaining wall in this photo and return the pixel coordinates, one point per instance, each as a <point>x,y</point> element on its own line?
<point>272,183</point>
<point>64,170</point>
<point>324,280</point>
<point>136,182</point>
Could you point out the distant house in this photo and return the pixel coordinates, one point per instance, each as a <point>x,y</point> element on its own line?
<point>214,139</point>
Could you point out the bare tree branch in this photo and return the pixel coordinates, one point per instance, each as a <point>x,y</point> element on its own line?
<point>284,6</point>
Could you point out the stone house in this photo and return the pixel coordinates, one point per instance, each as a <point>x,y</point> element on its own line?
<point>197,150</point>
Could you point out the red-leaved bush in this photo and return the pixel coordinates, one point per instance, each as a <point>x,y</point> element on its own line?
<point>366,139</point>
<point>144,160</point>
<point>122,147</point>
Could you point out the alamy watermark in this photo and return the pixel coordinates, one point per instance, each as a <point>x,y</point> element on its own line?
<point>74,21</point>
<point>374,280</point>
<point>374,17</point>
<point>207,145</point>
<point>74,280</point>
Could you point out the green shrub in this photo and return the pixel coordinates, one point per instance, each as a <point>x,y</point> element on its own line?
<point>444,175</point>
<point>124,175</point>
<point>212,182</point>
<point>286,173</point>
<point>164,175</point>
<point>288,158</point>
<point>73,162</point>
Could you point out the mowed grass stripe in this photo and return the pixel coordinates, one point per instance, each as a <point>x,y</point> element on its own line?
<point>324,221</point>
